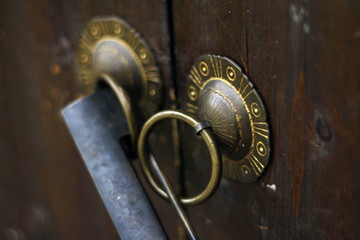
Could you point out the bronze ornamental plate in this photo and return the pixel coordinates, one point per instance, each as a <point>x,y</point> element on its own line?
<point>219,92</point>
<point>111,46</point>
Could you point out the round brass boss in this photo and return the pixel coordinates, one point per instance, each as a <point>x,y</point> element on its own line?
<point>110,46</point>
<point>220,93</point>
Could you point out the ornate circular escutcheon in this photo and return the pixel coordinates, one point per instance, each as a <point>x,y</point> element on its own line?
<point>227,99</point>
<point>112,47</point>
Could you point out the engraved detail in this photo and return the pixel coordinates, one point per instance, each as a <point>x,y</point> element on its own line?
<point>261,149</point>
<point>223,116</point>
<point>94,30</point>
<point>192,93</point>
<point>235,112</point>
<point>191,108</point>
<point>255,110</point>
<point>204,69</point>
<point>110,46</point>
<point>261,134</point>
<point>215,66</point>
<point>195,78</point>
<point>144,56</point>
<point>230,73</point>
<point>118,29</point>
<point>84,58</point>
<point>218,106</point>
<point>257,165</point>
<point>245,171</point>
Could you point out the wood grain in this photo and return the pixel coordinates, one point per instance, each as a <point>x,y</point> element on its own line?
<point>303,57</point>
<point>45,191</point>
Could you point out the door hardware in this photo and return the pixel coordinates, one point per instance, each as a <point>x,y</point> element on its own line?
<point>222,107</point>
<point>96,123</point>
<point>110,50</point>
<point>227,106</point>
<point>220,94</point>
<point>201,129</point>
<point>218,91</point>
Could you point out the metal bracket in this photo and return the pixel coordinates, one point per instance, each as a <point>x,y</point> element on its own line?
<point>219,92</point>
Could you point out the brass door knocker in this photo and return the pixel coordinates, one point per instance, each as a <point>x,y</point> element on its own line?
<point>200,128</point>
<point>221,102</point>
<point>112,52</point>
<point>219,92</point>
<point>221,105</point>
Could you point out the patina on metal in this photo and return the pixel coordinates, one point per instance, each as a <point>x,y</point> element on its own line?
<point>209,139</point>
<point>125,103</point>
<point>112,47</point>
<point>219,92</point>
<point>96,123</point>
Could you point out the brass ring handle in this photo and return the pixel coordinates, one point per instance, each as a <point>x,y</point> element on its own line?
<point>209,140</point>
<point>125,103</point>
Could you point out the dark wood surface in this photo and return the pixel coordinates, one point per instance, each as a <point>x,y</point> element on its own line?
<point>304,59</point>
<point>45,191</point>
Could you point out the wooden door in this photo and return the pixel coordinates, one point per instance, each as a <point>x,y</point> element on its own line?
<point>303,58</point>
<point>45,190</point>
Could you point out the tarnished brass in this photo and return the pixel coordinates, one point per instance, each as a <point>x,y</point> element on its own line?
<point>125,103</point>
<point>209,139</point>
<point>110,46</point>
<point>219,92</point>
